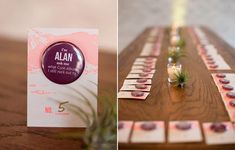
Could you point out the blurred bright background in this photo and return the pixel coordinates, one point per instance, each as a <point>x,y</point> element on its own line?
<point>136,15</point>
<point>17,16</point>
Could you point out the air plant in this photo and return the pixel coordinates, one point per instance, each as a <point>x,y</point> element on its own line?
<point>180,43</point>
<point>174,55</point>
<point>101,131</point>
<point>181,79</point>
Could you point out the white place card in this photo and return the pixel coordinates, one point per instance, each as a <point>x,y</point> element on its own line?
<point>128,95</point>
<point>135,81</point>
<point>150,66</point>
<point>144,59</point>
<point>142,71</point>
<point>127,87</point>
<point>184,131</point>
<point>219,61</point>
<point>124,131</point>
<point>214,138</point>
<point>138,76</point>
<point>148,134</point>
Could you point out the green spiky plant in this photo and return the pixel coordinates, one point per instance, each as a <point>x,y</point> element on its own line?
<point>181,43</point>
<point>181,79</point>
<point>175,55</point>
<point>101,131</point>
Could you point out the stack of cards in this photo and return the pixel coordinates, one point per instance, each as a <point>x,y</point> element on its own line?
<point>208,52</point>
<point>153,48</point>
<point>219,133</point>
<point>138,82</point>
<point>225,83</point>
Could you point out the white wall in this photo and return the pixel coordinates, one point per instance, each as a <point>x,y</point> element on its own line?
<point>16,16</point>
<point>136,15</point>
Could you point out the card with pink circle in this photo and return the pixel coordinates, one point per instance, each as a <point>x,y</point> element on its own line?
<point>148,132</point>
<point>137,81</point>
<point>129,95</point>
<point>222,133</point>
<point>184,131</point>
<point>62,71</point>
<point>124,131</point>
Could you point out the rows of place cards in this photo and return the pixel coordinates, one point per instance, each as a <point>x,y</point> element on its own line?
<point>124,130</point>
<point>216,133</point>
<point>219,133</point>
<point>225,83</point>
<point>142,132</point>
<point>184,131</point>
<point>137,84</point>
<point>209,53</point>
<point>148,132</point>
<point>153,48</point>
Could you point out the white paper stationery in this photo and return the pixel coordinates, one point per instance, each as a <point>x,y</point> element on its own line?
<point>142,71</point>
<point>228,76</point>
<point>147,49</point>
<point>213,138</point>
<point>150,66</point>
<point>144,59</point>
<point>156,135</point>
<point>231,78</point>
<point>138,76</point>
<point>62,71</point>
<point>127,87</point>
<point>142,63</point>
<point>192,134</point>
<point>153,32</point>
<point>219,62</point>
<point>230,109</point>
<point>135,81</point>
<point>128,95</point>
<point>124,131</point>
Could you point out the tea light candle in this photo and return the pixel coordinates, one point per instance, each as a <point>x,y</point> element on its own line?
<point>174,40</point>
<point>172,70</point>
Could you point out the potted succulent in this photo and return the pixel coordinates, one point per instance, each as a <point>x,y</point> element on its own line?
<point>173,65</point>
<point>181,79</point>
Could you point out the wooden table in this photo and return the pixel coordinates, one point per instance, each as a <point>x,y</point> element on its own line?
<point>200,100</point>
<point>13,131</point>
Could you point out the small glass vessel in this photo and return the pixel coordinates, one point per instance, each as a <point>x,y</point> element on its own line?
<point>173,69</point>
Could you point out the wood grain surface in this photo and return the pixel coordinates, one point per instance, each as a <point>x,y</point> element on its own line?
<point>200,100</point>
<point>14,135</point>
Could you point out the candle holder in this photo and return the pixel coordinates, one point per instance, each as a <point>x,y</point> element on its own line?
<point>173,69</point>
<point>174,40</point>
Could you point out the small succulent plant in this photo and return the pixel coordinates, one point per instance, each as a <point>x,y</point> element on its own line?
<point>180,44</point>
<point>181,79</point>
<point>101,131</point>
<point>175,55</point>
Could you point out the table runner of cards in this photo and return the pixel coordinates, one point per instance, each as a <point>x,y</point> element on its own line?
<point>206,99</point>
